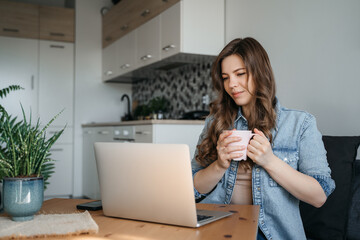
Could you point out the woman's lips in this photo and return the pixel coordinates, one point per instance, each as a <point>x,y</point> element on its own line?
<point>237,94</point>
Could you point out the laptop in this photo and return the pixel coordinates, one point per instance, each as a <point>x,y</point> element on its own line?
<point>149,182</point>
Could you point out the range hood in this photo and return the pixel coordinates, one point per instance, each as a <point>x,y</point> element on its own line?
<point>172,62</point>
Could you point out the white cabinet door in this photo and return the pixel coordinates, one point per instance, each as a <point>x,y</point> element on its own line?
<point>126,53</point>
<point>202,26</point>
<point>56,79</point>
<point>109,62</point>
<point>19,66</point>
<point>148,42</point>
<point>61,181</point>
<point>144,133</point>
<point>91,135</point>
<point>170,31</point>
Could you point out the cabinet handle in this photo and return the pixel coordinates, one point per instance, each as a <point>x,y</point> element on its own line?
<point>108,73</point>
<point>142,132</point>
<point>57,46</point>
<point>14,30</point>
<point>124,66</point>
<point>168,47</point>
<point>56,150</point>
<point>165,1</point>
<point>146,12</point>
<point>103,132</point>
<point>146,57</point>
<point>57,34</point>
<point>108,39</point>
<point>124,27</point>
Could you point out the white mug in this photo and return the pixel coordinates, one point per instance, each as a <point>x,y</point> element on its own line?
<point>245,135</point>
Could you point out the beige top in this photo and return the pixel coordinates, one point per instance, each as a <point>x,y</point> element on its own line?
<point>242,193</point>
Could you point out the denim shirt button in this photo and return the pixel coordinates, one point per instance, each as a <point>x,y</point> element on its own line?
<point>257,170</point>
<point>258,189</point>
<point>233,169</point>
<point>285,159</point>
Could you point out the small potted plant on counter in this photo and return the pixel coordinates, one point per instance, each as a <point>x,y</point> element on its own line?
<point>25,162</point>
<point>142,112</point>
<point>159,106</point>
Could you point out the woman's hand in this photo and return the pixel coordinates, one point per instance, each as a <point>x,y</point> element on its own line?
<point>259,149</point>
<point>226,152</point>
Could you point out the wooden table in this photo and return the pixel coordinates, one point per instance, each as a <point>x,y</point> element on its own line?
<point>241,225</point>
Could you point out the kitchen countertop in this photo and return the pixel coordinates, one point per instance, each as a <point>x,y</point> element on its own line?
<point>144,122</point>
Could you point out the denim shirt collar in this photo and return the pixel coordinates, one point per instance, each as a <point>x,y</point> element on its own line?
<point>239,115</point>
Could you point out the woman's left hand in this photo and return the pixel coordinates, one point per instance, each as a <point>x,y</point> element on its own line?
<point>259,149</point>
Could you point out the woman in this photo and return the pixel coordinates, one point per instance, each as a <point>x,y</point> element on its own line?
<point>286,159</point>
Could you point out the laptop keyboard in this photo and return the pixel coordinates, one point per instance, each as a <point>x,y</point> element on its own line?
<point>203,217</point>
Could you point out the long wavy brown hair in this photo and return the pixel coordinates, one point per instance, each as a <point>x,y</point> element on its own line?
<point>224,110</point>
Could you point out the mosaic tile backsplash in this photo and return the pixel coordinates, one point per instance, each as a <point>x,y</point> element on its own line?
<point>186,88</point>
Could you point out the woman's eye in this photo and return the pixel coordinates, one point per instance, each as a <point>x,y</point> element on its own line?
<point>240,74</point>
<point>225,78</point>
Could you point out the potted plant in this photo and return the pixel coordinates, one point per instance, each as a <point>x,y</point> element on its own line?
<point>142,112</point>
<point>159,105</point>
<point>25,162</point>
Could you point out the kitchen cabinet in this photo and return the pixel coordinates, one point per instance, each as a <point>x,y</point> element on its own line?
<point>170,31</point>
<point>109,62</point>
<point>61,181</point>
<point>183,28</point>
<point>19,20</point>
<point>148,42</point>
<point>56,79</point>
<point>57,23</point>
<point>177,32</point>
<point>127,15</point>
<point>126,53</point>
<point>144,133</point>
<point>25,20</point>
<point>91,135</point>
<point>119,57</point>
<point>45,70</point>
<point>19,66</point>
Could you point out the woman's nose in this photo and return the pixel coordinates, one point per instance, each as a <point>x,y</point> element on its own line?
<point>233,82</point>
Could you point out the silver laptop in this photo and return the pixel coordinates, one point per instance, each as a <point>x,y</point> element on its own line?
<point>149,182</point>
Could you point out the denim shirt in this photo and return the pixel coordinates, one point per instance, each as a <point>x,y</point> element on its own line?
<point>296,141</point>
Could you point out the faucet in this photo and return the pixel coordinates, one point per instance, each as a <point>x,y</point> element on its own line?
<point>127,116</point>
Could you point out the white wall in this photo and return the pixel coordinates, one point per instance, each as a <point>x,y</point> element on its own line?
<point>314,48</point>
<point>94,101</point>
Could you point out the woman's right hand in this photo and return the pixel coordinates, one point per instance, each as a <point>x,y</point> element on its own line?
<point>226,152</point>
